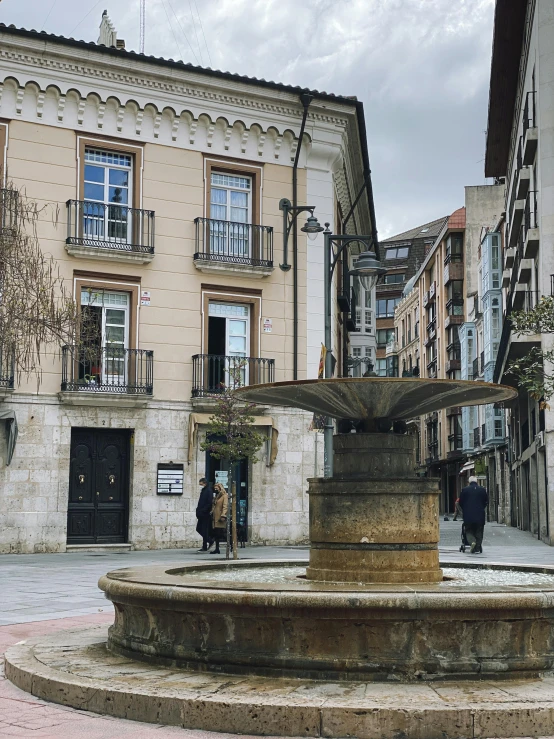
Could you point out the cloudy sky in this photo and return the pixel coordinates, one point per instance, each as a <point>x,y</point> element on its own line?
<point>421,67</point>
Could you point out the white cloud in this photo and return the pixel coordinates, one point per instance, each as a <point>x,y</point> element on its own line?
<point>420,66</point>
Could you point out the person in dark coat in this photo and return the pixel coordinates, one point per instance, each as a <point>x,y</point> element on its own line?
<point>204,514</point>
<point>473,502</point>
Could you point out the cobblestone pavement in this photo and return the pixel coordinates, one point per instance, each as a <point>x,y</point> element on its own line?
<point>46,592</point>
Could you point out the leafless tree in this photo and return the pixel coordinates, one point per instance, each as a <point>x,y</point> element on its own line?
<point>37,310</point>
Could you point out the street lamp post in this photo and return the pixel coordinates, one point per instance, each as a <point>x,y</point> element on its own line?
<point>368,268</point>
<point>290,213</point>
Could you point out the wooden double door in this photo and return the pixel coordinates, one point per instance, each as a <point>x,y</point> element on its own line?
<point>98,509</point>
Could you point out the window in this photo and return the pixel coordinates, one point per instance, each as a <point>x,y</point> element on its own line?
<point>230,198</point>
<point>108,312</point>
<point>399,252</point>
<point>384,335</point>
<point>107,194</point>
<point>228,342</point>
<point>386,306</point>
<point>394,279</point>
<point>231,214</point>
<point>381,367</point>
<point>455,247</point>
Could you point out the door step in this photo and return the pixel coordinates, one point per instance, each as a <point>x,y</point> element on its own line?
<point>99,548</point>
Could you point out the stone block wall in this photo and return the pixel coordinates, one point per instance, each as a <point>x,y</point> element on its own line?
<point>34,488</point>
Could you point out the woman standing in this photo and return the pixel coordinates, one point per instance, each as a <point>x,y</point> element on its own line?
<point>219,515</point>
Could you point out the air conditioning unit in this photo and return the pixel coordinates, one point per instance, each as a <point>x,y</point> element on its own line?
<point>539,439</point>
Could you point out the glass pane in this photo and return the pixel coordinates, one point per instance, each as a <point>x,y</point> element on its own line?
<point>94,192</point>
<point>115,317</point>
<point>239,199</point>
<point>239,215</point>
<point>218,196</point>
<point>118,195</point>
<point>237,328</point>
<point>94,174</point>
<point>219,212</point>
<point>237,345</point>
<point>115,335</point>
<point>119,177</point>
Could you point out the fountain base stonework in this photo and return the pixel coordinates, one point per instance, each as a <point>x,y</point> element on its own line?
<point>368,643</point>
<point>374,521</point>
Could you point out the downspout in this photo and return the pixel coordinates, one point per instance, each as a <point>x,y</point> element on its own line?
<point>306,99</point>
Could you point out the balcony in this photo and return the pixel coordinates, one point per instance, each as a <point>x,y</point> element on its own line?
<point>509,257</point>
<point>454,410</point>
<point>433,452</point>
<point>432,291</point>
<point>506,277</point>
<point>531,226</point>
<point>530,130</point>
<point>523,299</point>
<point>110,376</point>
<point>214,373</point>
<point>432,368</point>
<point>7,372</point>
<point>109,231</point>
<point>525,270</point>
<point>455,446</point>
<point>453,270</point>
<point>516,219</point>
<point>8,209</point>
<point>523,182</point>
<point>225,247</point>
<point>391,348</point>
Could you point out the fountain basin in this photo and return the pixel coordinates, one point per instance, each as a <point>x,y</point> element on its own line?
<point>192,618</point>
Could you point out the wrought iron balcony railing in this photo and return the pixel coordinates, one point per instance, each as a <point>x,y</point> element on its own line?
<point>110,226</point>
<point>529,112</point>
<point>107,369</point>
<point>7,369</point>
<point>8,209</point>
<point>233,243</point>
<point>531,211</point>
<point>214,373</point>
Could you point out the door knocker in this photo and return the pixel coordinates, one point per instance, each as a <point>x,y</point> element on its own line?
<point>81,479</point>
<point>111,478</point>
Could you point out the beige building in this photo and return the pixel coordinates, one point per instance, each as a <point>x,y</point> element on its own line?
<point>168,180</point>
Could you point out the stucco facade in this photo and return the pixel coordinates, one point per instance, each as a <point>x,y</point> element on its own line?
<point>172,134</point>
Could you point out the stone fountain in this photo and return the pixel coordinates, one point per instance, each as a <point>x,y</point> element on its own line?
<point>306,650</point>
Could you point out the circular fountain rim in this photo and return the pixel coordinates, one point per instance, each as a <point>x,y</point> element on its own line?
<point>161,582</point>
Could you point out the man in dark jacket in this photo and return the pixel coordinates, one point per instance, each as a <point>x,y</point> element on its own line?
<point>473,502</point>
<point>204,514</point>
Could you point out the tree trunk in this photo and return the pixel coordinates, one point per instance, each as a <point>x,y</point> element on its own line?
<point>234,521</point>
<point>230,485</point>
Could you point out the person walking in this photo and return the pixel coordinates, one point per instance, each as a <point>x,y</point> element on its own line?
<point>219,515</point>
<point>473,502</point>
<point>204,514</point>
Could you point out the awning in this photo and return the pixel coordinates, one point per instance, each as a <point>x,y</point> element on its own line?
<point>467,467</point>
<point>201,419</point>
<point>11,420</point>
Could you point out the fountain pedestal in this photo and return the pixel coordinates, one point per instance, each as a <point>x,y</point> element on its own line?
<point>374,521</point>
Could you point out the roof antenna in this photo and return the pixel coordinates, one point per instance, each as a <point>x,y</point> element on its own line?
<point>142,25</point>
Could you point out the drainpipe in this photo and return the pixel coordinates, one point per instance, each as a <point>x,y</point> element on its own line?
<point>305,99</point>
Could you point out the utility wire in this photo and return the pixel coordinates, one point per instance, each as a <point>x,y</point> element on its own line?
<point>48,16</point>
<point>172,31</point>
<point>203,34</point>
<point>86,16</point>
<point>195,33</point>
<point>182,31</point>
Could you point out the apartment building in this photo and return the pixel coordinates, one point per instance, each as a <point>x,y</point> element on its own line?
<point>403,256</point>
<point>168,179</point>
<point>519,153</point>
<point>484,427</point>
